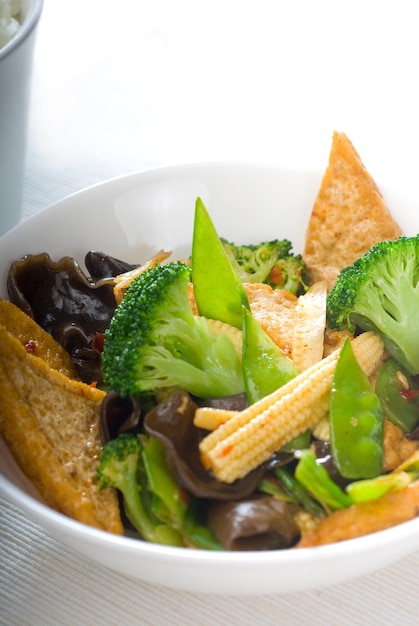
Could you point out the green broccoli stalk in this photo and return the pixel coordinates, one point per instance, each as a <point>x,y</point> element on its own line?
<point>380,291</point>
<point>121,467</point>
<point>269,262</point>
<point>154,341</point>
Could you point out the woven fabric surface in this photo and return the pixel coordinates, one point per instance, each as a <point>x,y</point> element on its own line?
<point>44,583</point>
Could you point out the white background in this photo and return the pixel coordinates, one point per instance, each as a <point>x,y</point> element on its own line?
<point>130,84</point>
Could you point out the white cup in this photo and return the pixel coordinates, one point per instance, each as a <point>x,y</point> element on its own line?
<point>15,79</point>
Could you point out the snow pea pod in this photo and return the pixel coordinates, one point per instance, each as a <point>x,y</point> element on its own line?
<point>265,366</point>
<point>265,369</point>
<point>356,420</point>
<point>396,391</point>
<point>219,293</point>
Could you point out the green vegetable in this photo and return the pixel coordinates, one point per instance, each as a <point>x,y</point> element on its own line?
<point>154,503</point>
<point>380,291</point>
<point>273,487</point>
<point>300,442</point>
<point>397,391</point>
<point>169,503</point>
<point>316,480</point>
<point>154,341</point>
<point>269,262</point>
<point>265,366</point>
<point>121,467</point>
<point>219,293</point>
<point>194,529</point>
<point>298,492</point>
<point>254,262</point>
<point>356,420</point>
<point>373,488</point>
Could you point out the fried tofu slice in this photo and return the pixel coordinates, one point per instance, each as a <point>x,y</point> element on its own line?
<point>309,325</point>
<point>36,339</point>
<point>348,217</point>
<point>365,517</point>
<point>275,310</point>
<point>51,425</point>
<point>397,447</point>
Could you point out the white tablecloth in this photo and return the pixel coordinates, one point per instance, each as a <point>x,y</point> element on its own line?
<point>127,85</point>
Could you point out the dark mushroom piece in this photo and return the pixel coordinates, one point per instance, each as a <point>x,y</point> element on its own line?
<point>323,452</point>
<point>171,422</point>
<point>74,308</point>
<point>414,435</point>
<point>258,523</point>
<point>102,265</point>
<point>118,415</point>
<point>237,402</point>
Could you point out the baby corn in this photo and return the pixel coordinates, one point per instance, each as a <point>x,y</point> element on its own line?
<point>251,436</point>
<point>210,418</point>
<point>322,430</point>
<point>222,328</point>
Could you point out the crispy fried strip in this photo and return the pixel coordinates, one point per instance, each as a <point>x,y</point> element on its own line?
<point>51,425</point>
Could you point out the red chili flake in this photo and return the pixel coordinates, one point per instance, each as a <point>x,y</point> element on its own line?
<point>31,346</point>
<point>94,385</point>
<point>184,497</point>
<point>226,451</point>
<point>273,480</point>
<point>98,342</point>
<point>409,394</point>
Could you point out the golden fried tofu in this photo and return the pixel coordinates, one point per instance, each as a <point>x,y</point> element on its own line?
<point>334,339</point>
<point>365,517</point>
<point>397,448</point>
<point>51,425</point>
<point>274,309</point>
<point>349,214</point>
<point>36,339</point>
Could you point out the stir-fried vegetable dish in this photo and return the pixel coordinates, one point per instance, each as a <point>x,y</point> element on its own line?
<point>246,398</point>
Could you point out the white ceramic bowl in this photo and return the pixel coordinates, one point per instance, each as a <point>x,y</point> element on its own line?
<point>131,218</point>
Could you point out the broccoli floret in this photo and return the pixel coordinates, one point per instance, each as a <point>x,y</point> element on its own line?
<point>269,262</point>
<point>154,341</point>
<point>380,291</point>
<point>121,467</point>
<point>253,263</point>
